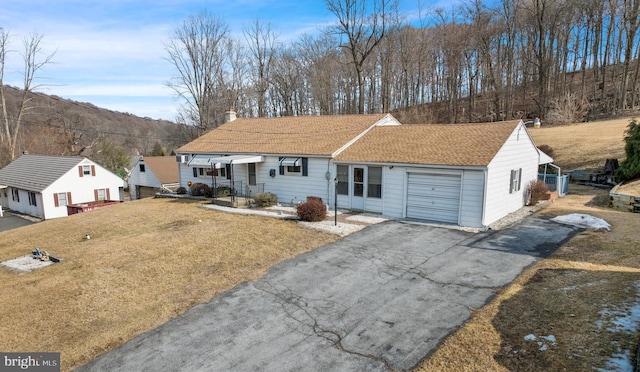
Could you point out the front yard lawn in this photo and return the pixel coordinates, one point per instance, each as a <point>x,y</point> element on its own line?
<point>146,262</point>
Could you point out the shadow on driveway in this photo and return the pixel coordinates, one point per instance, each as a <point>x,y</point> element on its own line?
<point>379,299</point>
<point>10,221</point>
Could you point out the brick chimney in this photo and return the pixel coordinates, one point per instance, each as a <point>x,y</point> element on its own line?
<point>229,116</point>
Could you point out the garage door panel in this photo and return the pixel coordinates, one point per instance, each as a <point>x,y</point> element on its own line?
<point>433,197</point>
<point>440,192</point>
<point>432,214</point>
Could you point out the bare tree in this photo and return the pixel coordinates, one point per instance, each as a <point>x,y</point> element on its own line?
<point>197,51</point>
<point>363,29</point>
<point>262,42</point>
<point>33,64</point>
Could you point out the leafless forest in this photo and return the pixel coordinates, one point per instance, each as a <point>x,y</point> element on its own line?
<point>560,60</point>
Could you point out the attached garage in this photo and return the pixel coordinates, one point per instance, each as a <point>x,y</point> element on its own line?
<point>459,174</point>
<point>433,197</point>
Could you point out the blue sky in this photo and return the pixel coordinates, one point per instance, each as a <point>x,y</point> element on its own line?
<point>111,53</point>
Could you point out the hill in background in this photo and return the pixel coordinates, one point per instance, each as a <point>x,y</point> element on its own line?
<point>58,126</point>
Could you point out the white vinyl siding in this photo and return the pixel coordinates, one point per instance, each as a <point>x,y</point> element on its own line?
<point>289,188</point>
<point>294,188</point>
<point>472,198</point>
<point>144,178</point>
<point>518,152</point>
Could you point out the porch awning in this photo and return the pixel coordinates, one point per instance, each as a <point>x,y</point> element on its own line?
<point>3,187</point>
<point>207,161</point>
<point>290,162</point>
<point>544,158</point>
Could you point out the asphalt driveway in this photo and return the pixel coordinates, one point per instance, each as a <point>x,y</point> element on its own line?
<point>10,221</point>
<point>380,299</point>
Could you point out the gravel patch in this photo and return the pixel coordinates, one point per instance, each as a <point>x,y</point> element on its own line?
<point>25,264</point>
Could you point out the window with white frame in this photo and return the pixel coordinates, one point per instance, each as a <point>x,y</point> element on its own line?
<point>142,168</point>
<point>343,179</point>
<point>374,184</point>
<point>516,178</point>
<point>102,194</point>
<point>15,195</point>
<point>32,199</point>
<point>62,199</point>
<point>86,170</point>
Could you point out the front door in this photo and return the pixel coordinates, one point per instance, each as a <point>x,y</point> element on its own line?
<point>357,200</point>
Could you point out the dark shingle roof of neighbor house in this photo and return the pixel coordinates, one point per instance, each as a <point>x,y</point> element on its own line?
<point>302,135</point>
<point>437,144</point>
<point>36,172</point>
<point>164,168</point>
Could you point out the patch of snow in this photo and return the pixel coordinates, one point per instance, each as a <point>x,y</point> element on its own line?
<point>583,220</point>
<point>624,320</point>
<point>543,341</point>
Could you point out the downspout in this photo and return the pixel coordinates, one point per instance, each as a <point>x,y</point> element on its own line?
<point>42,204</point>
<point>558,179</point>
<point>484,200</point>
<point>328,177</point>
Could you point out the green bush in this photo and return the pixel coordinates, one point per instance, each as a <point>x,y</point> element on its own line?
<point>537,189</point>
<point>200,189</point>
<point>312,210</point>
<point>223,191</point>
<point>265,199</point>
<point>181,190</point>
<point>630,167</point>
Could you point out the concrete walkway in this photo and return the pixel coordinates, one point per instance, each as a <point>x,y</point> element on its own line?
<point>380,299</point>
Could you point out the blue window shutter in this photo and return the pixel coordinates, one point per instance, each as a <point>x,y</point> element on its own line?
<point>281,168</point>
<point>195,172</point>
<point>305,167</point>
<point>228,169</point>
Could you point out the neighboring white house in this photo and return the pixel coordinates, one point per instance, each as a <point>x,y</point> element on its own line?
<point>152,174</point>
<point>42,186</point>
<point>463,174</point>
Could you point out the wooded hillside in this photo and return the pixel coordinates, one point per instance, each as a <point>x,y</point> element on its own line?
<point>57,126</point>
<point>560,60</point>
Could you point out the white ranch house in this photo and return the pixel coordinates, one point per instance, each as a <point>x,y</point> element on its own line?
<point>42,186</point>
<point>462,174</point>
<point>152,174</point>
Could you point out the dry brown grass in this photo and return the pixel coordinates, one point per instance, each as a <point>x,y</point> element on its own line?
<point>146,262</point>
<point>584,145</point>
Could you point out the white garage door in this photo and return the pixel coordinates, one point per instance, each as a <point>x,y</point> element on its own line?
<point>434,197</point>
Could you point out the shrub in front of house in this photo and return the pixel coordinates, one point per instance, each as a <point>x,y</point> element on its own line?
<point>537,189</point>
<point>222,191</point>
<point>181,190</point>
<point>312,210</point>
<point>265,199</point>
<point>200,189</point>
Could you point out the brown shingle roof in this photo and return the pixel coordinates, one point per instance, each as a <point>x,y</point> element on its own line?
<point>303,135</point>
<point>438,144</point>
<point>163,167</point>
